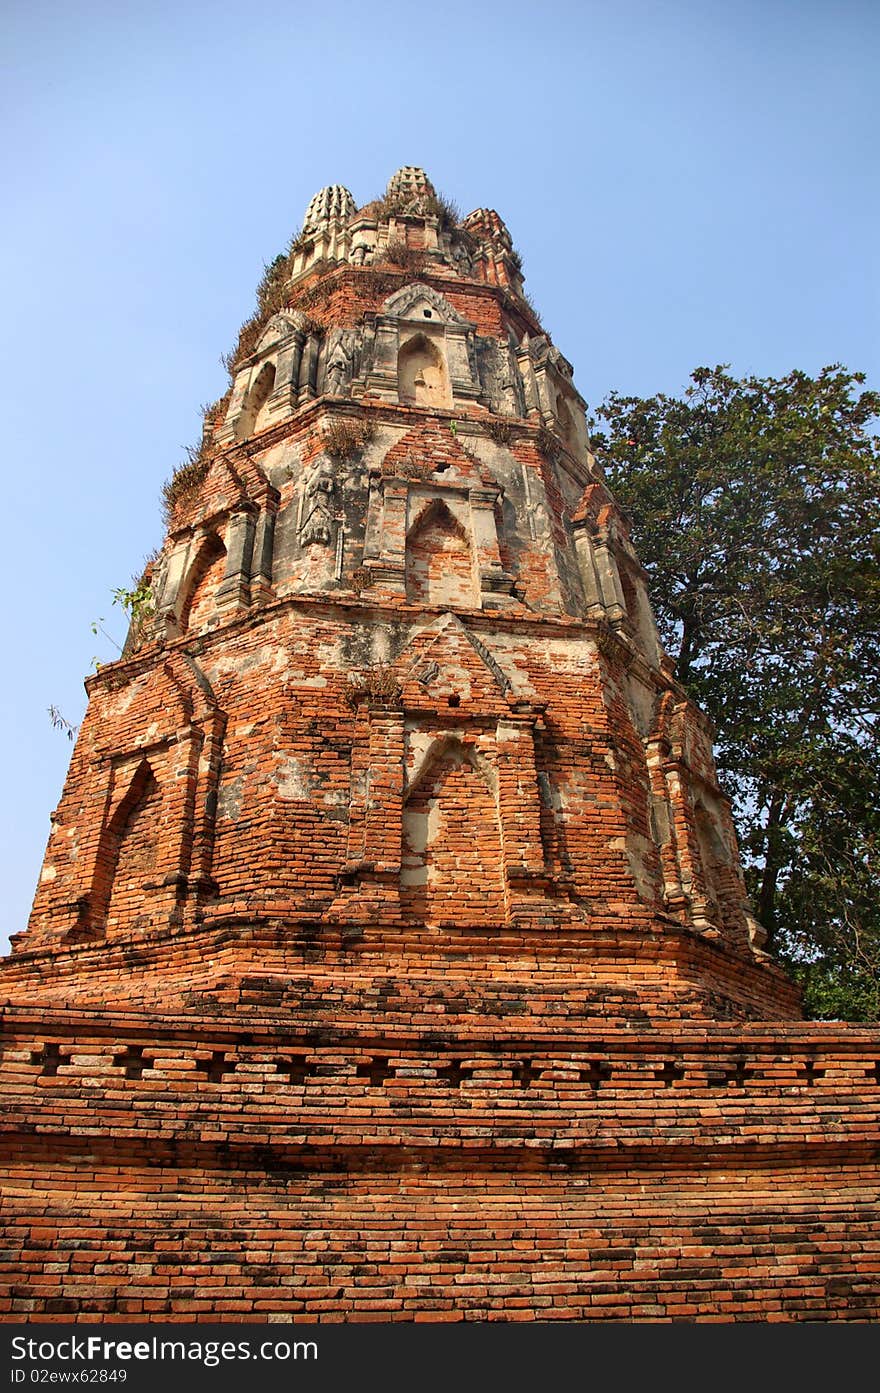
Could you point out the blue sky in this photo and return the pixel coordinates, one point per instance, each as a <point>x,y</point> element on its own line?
<point>688,183</point>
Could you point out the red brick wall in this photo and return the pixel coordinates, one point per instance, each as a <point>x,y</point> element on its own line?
<point>132,855</point>
<point>722,1173</point>
<point>453,868</point>
<point>439,563</point>
<point>200,608</point>
<point>344,295</point>
<point>390,958</point>
<point>620,1244</point>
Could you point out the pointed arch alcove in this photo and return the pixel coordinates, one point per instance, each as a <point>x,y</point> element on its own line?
<point>146,861</point>
<point>199,590</point>
<point>418,329</point>
<point>452,864</point>
<point>422,373</point>
<point>252,417</point>
<point>126,862</point>
<point>439,565</point>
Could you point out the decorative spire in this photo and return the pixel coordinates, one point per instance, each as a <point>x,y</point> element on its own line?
<point>486,223</point>
<point>499,263</point>
<point>334,203</point>
<point>411,191</point>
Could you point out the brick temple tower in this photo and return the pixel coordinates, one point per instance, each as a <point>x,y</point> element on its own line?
<point>391,956</point>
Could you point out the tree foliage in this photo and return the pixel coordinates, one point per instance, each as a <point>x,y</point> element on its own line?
<point>755,507</point>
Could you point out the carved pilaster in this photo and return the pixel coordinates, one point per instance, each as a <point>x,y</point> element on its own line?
<point>263,552</point>
<point>284,394</point>
<point>462,360</point>
<point>307,386</point>
<point>531,397</point>
<point>169,601</point>
<point>664,784</point>
<point>227,432</point>
<point>519,796</point>
<point>234,590</point>
<point>204,810</point>
<point>385,554</point>
<point>609,581</point>
<point>588,571</point>
<point>496,584</point>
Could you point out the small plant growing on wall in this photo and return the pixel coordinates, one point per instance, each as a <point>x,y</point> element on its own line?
<point>378,283</point>
<point>213,412</point>
<point>446,210</point>
<point>378,686</point>
<point>401,203</point>
<point>530,306</point>
<point>546,442</point>
<point>272,290</point>
<point>60,722</point>
<point>138,603</point>
<point>300,243</point>
<point>310,324</point>
<point>407,258</point>
<point>345,438</point>
<point>500,431</point>
<point>185,480</point>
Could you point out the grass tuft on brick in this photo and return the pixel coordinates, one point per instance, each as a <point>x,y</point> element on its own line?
<point>378,686</point>
<point>407,258</point>
<point>344,438</point>
<point>185,481</point>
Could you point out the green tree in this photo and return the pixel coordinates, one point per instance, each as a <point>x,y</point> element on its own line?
<point>755,508</point>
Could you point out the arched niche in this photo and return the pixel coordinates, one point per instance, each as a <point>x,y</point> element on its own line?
<point>638,608</point>
<point>714,855</point>
<point>712,846</point>
<point>422,374</point>
<point>201,584</point>
<point>439,568</point>
<point>253,417</point>
<point>127,854</point>
<point>452,867</point>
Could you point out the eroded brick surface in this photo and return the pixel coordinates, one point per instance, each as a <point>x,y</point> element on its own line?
<point>391,957</point>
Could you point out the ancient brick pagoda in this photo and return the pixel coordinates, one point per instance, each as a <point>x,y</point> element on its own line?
<point>391,957</point>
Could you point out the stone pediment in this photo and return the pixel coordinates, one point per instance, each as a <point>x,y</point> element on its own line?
<point>431,452</point>
<point>447,665</point>
<point>413,300</point>
<point>279,328</point>
<point>230,482</point>
<point>167,698</point>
